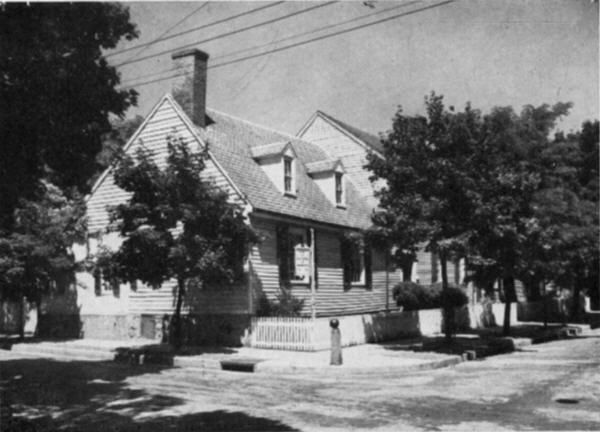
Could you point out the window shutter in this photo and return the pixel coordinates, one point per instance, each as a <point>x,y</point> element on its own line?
<point>368,268</point>
<point>283,253</point>
<point>314,258</point>
<point>345,257</point>
<point>116,287</point>
<point>97,282</point>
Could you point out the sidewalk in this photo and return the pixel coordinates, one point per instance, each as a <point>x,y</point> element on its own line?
<point>402,356</point>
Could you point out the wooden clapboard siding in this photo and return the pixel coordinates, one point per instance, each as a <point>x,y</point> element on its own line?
<point>339,145</point>
<point>163,122</point>
<point>225,299</point>
<point>331,298</point>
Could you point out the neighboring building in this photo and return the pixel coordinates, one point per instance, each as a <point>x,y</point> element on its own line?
<point>304,194</point>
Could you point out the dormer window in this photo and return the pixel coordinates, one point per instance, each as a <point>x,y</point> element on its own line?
<point>278,161</point>
<point>339,188</point>
<point>328,174</point>
<point>288,175</point>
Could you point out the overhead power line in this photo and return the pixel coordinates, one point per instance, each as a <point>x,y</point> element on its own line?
<point>297,35</point>
<point>297,44</point>
<point>166,32</point>
<point>211,24</point>
<point>222,35</point>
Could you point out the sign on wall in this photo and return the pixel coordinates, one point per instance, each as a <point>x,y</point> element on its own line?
<point>302,263</point>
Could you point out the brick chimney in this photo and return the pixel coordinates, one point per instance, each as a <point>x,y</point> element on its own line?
<point>190,87</point>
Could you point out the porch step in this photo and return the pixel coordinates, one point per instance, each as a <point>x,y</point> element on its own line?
<point>240,364</point>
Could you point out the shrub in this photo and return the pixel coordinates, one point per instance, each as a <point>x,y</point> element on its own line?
<point>286,305</point>
<point>412,296</point>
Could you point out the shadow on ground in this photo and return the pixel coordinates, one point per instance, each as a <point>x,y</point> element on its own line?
<point>478,343</point>
<point>48,395</point>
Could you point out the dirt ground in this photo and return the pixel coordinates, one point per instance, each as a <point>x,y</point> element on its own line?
<point>552,386</point>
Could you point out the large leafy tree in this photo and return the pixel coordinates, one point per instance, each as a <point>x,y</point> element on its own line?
<point>36,257</point>
<point>57,93</point>
<point>427,195</point>
<point>176,225</point>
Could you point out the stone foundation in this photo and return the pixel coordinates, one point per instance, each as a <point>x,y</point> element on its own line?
<point>214,329</point>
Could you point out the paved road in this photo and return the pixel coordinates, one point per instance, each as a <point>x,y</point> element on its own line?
<point>507,392</point>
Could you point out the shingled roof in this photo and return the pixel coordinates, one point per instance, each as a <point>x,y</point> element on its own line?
<point>233,143</point>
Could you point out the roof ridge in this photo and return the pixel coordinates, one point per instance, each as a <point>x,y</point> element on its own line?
<point>354,131</point>
<point>267,128</point>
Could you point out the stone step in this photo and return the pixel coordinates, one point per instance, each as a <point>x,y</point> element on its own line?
<point>197,363</point>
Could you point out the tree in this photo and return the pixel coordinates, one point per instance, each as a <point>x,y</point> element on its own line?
<point>176,225</point>
<point>57,91</point>
<point>506,234</point>
<point>36,257</point>
<point>429,191</point>
<point>113,143</point>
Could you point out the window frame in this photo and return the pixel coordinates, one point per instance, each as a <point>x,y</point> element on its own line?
<point>291,177</point>
<point>349,252</point>
<point>339,190</point>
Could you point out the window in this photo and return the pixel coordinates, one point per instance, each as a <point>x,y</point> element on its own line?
<point>294,255</point>
<point>288,183</point>
<point>339,189</point>
<point>101,284</point>
<point>356,264</point>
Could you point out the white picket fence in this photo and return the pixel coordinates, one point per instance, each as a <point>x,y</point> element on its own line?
<point>283,333</point>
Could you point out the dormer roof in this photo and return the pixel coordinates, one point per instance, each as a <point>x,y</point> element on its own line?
<point>322,166</point>
<point>273,149</point>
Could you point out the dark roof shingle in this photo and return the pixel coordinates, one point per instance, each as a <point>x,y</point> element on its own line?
<point>233,141</point>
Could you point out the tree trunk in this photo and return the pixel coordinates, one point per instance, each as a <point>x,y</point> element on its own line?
<point>407,270</point>
<point>545,300</point>
<point>508,284</point>
<point>22,319</point>
<point>177,342</point>
<point>447,309</point>
<point>576,295</point>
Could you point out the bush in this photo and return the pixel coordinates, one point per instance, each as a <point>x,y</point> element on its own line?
<point>286,305</point>
<point>412,296</point>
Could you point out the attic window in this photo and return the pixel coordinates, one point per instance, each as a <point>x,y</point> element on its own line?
<point>288,175</point>
<point>339,188</point>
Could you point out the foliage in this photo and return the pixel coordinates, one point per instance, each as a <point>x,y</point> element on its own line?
<point>36,258</point>
<point>114,141</point>
<point>285,305</point>
<point>176,225</point>
<point>412,296</point>
<point>429,190</point>
<point>57,91</point>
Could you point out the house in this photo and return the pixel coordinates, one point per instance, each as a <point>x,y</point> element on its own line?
<point>307,195</point>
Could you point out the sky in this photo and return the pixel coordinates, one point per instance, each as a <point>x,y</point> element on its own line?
<point>489,53</point>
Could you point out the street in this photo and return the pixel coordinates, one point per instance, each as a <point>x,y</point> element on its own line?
<point>552,386</point>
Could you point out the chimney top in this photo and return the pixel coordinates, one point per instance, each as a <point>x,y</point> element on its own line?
<point>189,52</point>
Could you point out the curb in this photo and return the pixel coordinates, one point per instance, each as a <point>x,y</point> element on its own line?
<point>273,366</point>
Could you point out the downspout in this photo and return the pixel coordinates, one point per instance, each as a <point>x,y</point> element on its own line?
<point>313,305</point>
<point>387,280</point>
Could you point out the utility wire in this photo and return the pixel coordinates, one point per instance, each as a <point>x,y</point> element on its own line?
<point>297,35</point>
<point>297,44</point>
<point>149,44</point>
<point>174,35</point>
<point>222,35</point>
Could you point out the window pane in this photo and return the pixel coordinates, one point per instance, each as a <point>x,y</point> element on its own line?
<point>338,188</point>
